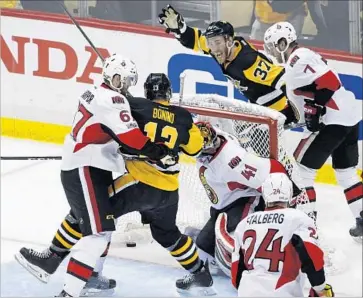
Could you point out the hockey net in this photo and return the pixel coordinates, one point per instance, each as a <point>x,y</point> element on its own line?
<point>259,130</point>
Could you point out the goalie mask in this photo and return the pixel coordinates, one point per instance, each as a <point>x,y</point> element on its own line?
<point>209,136</point>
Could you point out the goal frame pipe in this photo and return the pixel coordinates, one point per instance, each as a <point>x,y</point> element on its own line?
<point>272,123</point>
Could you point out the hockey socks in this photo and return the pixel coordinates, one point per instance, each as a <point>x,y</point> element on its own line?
<point>66,236</point>
<point>354,196</point>
<point>185,252</point>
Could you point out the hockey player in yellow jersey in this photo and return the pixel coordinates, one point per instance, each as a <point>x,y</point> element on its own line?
<point>250,71</point>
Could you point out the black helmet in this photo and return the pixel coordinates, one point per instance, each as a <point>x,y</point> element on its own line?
<point>219,28</point>
<point>157,86</point>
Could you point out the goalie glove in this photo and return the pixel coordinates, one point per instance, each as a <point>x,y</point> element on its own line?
<point>313,114</point>
<point>172,20</point>
<point>320,291</point>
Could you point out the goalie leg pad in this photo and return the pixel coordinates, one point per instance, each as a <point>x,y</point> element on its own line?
<point>224,244</point>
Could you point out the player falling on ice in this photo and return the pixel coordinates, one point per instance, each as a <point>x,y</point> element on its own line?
<point>101,125</point>
<point>232,178</point>
<point>251,72</point>
<point>331,114</point>
<point>272,248</point>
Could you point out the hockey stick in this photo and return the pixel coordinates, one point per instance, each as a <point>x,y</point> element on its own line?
<point>181,89</point>
<point>81,30</point>
<point>31,157</point>
<point>294,125</point>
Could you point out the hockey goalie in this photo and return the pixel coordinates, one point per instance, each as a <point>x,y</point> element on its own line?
<point>232,178</point>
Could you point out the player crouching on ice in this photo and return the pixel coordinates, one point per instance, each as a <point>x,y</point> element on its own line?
<point>331,113</point>
<point>232,178</point>
<point>272,248</point>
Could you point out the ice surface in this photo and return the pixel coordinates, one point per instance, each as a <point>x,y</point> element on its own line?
<point>33,204</point>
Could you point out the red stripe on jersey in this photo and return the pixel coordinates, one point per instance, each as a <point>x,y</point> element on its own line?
<point>247,207</point>
<point>133,138</point>
<point>354,192</point>
<point>328,81</point>
<point>316,255</point>
<point>276,167</point>
<point>233,185</point>
<point>92,196</point>
<point>80,270</point>
<point>93,134</point>
<point>290,268</point>
<point>332,104</point>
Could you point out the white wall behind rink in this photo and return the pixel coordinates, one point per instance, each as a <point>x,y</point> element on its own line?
<point>29,95</point>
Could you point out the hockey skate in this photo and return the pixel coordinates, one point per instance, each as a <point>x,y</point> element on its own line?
<point>197,284</point>
<point>357,231</point>
<point>63,294</point>
<point>98,285</point>
<point>40,264</point>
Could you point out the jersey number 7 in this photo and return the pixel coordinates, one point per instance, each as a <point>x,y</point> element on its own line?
<point>85,116</point>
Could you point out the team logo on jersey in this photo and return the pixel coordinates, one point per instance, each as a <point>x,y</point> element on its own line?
<point>237,84</point>
<point>210,192</point>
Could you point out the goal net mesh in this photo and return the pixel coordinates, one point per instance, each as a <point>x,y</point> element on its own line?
<point>259,130</point>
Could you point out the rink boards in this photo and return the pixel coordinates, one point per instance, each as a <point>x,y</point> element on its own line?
<point>46,65</point>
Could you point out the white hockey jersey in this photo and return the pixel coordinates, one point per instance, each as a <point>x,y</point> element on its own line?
<point>103,116</point>
<point>305,68</point>
<point>269,246</point>
<point>232,172</point>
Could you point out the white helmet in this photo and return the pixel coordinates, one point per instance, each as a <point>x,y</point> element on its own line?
<point>122,66</point>
<point>277,188</point>
<point>275,33</point>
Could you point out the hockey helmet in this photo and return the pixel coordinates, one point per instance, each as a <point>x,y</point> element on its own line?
<point>157,86</point>
<point>277,32</point>
<point>277,188</point>
<point>118,65</point>
<point>219,28</point>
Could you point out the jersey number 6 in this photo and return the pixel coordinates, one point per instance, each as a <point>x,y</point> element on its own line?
<point>168,133</point>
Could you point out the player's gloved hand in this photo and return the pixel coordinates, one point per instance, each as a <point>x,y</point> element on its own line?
<point>313,113</point>
<point>318,291</point>
<point>159,152</point>
<point>172,20</point>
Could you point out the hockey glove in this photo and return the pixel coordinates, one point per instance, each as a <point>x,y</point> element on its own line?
<point>313,113</point>
<point>172,20</point>
<point>327,291</point>
<point>159,152</point>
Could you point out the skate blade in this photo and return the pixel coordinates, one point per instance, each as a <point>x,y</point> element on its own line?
<point>197,291</point>
<point>358,239</point>
<point>39,273</point>
<point>97,293</point>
